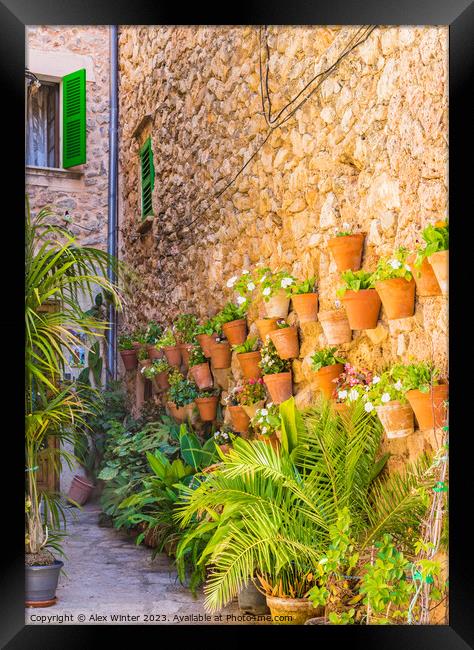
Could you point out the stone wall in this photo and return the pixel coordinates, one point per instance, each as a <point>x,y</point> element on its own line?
<point>82,190</point>
<point>368,148</point>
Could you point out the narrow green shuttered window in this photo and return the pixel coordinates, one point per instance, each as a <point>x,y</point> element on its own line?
<point>74,118</point>
<point>148,178</point>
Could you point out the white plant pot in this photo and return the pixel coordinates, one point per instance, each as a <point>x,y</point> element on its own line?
<point>278,305</point>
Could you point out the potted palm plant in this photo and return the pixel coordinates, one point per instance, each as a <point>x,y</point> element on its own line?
<point>127,352</point>
<point>233,322</point>
<point>361,302</point>
<point>285,340</point>
<point>207,401</point>
<point>249,358</point>
<point>274,288</point>
<point>395,285</point>
<point>199,368</point>
<point>305,300</point>
<point>327,367</point>
<point>346,249</point>
<point>276,374</point>
<point>435,252</point>
<point>251,395</point>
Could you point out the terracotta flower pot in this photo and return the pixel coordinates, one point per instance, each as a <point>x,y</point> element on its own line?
<point>173,355</point>
<point>144,362</point>
<point>129,358</point>
<point>429,408</point>
<point>286,342</point>
<point>265,326</point>
<point>251,409</point>
<point>279,386</point>
<point>221,355</point>
<point>235,331</point>
<point>292,611</point>
<point>440,262</point>
<point>239,418</point>
<point>224,448</point>
<point>161,381</point>
<point>278,305</point>
<point>270,440</point>
<point>249,364</point>
<point>335,326</point>
<point>185,352</point>
<point>306,306</point>
<point>206,341</point>
<point>425,279</point>
<point>154,353</point>
<point>397,419</point>
<point>137,345</point>
<point>397,296</point>
<point>80,490</point>
<point>362,308</point>
<point>325,378</point>
<point>207,407</point>
<point>347,251</point>
<point>201,373</point>
<point>179,413</point>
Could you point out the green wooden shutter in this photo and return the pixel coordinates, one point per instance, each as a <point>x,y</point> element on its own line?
<point>74,118</point>
<point>148,178</point>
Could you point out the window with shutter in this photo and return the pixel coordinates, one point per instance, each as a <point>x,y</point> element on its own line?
<point>148,178</point>
<point>74,118</point>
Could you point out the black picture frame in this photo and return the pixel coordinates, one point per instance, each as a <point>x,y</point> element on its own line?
<point>459,15</point>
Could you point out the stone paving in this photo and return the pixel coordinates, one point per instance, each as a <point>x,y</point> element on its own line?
<point>110,580</point>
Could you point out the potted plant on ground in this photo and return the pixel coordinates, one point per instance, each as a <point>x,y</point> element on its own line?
<point>361,302</point>
<point>335,326</point>
<point>327,367</point>
<point>181,395</point>
<point>142,356</point>
<point>221,353</point>
<point>152,334</point>
<point>305,300</point>
<point>206,334</point>
<point>233,322</point>
<point>199,368</point>
<point>285,340</point>
<point>436,251</point>
<point>346,249</point>
<point>249,358</point>
<point>276,374</point>
<point>127,352</point>
<point>395,285</point>
<point>274,288</point>
<point>391,406</point>
<point>167,342</point>
<point>251,395</point>
<point>266,424</point>
<point>185,328</point>
<point>425,392</point>
<point>206,402</point>
<point>239,418</point>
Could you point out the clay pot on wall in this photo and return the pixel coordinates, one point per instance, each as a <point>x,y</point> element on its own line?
<point>398,297</point>
<point>429,408</point>
<point>201,373</point>
<point>185,349</point>
<point>362,308</point>
<point>265,326</point>
<point>292,611</point>
<point>306,307</point>
<point>221,355</point>
<point>325,378</point>
<point>280,386</point>
<point>161,381</point>
<point>235,331</point>
<point>253,408</point>
<point>239,418</point>
<point>154,353</point>
<point>425,279</point>
<point>347,251</point>
<point>206,341</point>
<point>179,413</point>
<point>249,364</point>
<point>80,490</point>
<point>144,362</point>
<point>270,440</point>
<point>207,407</point>
<point>335,326</point>
<point>278,305</point>
<point>137,345</point>
<point>129,358</point>
<point>286,343</point>
<point>440,263</point>
<point>173,355</point>
<point>397,419</point>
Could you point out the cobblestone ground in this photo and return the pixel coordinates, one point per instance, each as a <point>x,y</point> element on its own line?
<point>110,580</point>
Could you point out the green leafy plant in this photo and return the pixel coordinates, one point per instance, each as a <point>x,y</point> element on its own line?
<point>244,286</point>
<point>384,389</point>
<point>196,356</point>
<point>139,335</point>
<point>355,281</point>
<point>247,346</point>
<point>393,267</point>
<point>210,326</point>
<point>282,324</point>
<point>153,332</point>
<point>325,357</point>
<point>436,239</point>
<point>142,354</point>
<point>156,367</point>
<point>271,363</point>
<point>270,282</point>
<point>251,392</point>
<point>266,421</point>
<point>223,436</point>
<point>182,391</point>
<point>230,313</point>
<point>305,286</point>
<point>125,342</point>
<point>186,326</point>
<point>166,339</point>
<point>415,376</point>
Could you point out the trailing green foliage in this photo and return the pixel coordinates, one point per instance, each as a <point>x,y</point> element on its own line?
<point>325,357</point>
<point>355,281</point>
<point>436,239</point>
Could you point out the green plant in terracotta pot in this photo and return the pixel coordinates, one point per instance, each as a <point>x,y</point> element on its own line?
<point>395,285</point>
<point>158,373</point>
<point>361,302</point>
<point>252,395</point>
<point>207,402</point>
<point>275,289</point>
<point>127,352</point>
<point>138,337</point>
<point>266,424</point>
<point>233,322</point>
<point>305,300</point>
<point>436,251</point>
<point>199,368</point>
<point>249,357</point>
<point>185,331</point>
<point>206,334</point>
<point>276,373</point>
<point>167,342</point>
<point>327,367</point>
<point>181,395</point>
<point>285,340</point>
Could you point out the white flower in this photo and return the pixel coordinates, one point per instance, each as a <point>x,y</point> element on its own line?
<point>286,282</point>
<point>385,398</point>
<point>369,407</point>
<point>263,278</point>
<point>260,420</point>
<point>269,404</point>
<point>353,394</point>
<point>217,434</point>
<point>376,380</point>
<point>407,268</point>
<point>395,264</point>
<point>250,286</point>
<point>241,300</point>
<point>342,394</point>
<point>264,429</point>
<point>263,412</point>
<point>365,398</point>
<point>231,281</point>
<point>346,226</point>
<point>245,272</point>
<point>367,388</point>
<point>267,291</point>
<point>398,385</point>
